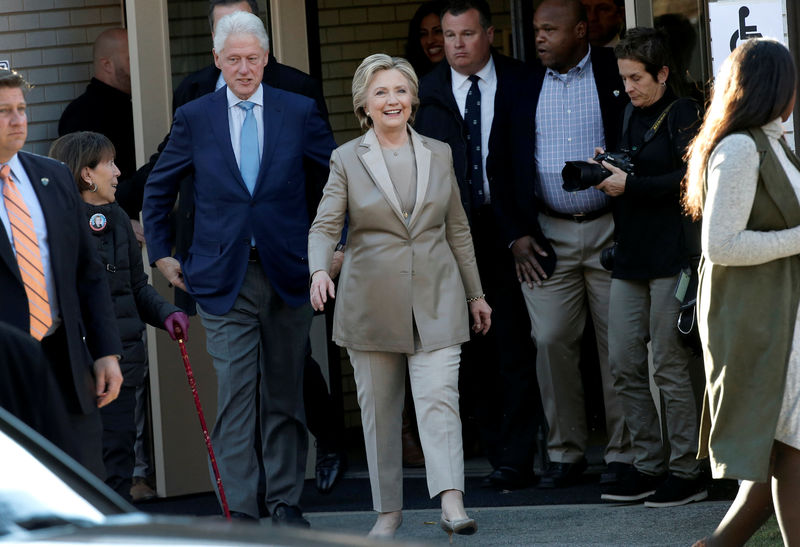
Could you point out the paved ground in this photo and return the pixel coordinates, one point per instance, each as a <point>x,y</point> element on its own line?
<point>531,516</point>
<point>578,525</point>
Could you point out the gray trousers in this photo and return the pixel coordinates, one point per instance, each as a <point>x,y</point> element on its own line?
<point>380,383</point>
<point>647,310</point>
<point>260,333</point>
<point>558,316</point>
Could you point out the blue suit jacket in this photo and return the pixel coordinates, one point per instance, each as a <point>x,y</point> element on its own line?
<point>226,215</point>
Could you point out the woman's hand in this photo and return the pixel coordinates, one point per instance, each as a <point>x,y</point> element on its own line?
<point>614,185</point>
<point>177,325</point>
<point>321,287</point>
<point>481,315</point>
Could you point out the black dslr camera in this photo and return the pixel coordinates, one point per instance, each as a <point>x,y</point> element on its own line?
<point>580,175</point>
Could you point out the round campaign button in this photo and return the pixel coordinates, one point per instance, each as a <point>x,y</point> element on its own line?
<point>97,222</point>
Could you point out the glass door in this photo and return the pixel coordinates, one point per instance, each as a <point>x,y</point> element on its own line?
<point>686,25</point>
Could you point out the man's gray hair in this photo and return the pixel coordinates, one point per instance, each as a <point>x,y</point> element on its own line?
<point>240,22</point>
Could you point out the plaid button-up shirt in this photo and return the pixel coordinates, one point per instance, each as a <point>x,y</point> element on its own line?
<point>568,127</point>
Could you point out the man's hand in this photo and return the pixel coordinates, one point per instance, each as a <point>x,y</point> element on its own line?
<point>529,270</point>
<point>138,231</point>
<point>336,264</point>
<point>481,316</point>
<point>171,270</point>
<point>321,287</point>
<point>613,185</point>
<point>108,379</point>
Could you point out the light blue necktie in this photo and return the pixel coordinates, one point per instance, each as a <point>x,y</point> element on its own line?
<point>248,147</point>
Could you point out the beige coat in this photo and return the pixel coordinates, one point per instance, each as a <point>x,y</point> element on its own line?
<point>393,270</point>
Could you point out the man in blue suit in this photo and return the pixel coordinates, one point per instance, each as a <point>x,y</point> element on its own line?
<point>244,145</point>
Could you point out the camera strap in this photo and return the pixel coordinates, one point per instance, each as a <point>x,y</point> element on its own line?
<point>650,133</point>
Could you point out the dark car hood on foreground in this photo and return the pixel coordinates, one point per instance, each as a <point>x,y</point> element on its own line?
<point>141,529</point>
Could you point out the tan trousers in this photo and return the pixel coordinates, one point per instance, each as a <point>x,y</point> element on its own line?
<point>558,315</point>
<point>380,384</point>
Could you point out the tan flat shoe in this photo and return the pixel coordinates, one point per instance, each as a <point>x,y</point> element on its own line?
<point>462,527</point>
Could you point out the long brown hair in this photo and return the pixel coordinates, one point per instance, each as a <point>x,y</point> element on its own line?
<point>755,86</point>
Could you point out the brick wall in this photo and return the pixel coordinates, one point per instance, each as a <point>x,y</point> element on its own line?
<point>353,29</point>
<point>50,43</point>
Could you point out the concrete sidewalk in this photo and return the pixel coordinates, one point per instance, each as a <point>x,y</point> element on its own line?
<point>549,525</point>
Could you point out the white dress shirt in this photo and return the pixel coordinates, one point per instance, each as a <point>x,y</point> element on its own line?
<point>236,120</point>
<point>488,87</point>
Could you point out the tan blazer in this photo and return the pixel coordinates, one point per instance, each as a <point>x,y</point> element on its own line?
<point>393,270</point>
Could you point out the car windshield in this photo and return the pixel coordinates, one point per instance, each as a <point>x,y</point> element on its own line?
<point>31,493</point>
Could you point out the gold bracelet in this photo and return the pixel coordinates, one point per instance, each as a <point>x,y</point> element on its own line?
<point>475,298</point>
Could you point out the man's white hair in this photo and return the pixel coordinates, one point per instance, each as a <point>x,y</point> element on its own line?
<point>240,22</point>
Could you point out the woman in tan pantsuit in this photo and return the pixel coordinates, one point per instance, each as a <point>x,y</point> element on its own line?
<point>408,280</point>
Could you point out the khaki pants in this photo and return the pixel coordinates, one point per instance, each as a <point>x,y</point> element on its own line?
<point>642,310</point>
<point>558,315</point>
<point>380,384</point>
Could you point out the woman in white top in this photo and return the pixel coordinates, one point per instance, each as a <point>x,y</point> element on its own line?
<point>745,181</point>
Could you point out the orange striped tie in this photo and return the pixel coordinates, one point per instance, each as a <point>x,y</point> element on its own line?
<point>29,258</point>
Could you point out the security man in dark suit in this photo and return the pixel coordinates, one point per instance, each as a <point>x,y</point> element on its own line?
<point>497,384</point>
<point>51,279</point>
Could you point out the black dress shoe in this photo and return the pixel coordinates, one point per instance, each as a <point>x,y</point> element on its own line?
<point>289,515</point>
<point>614,473</point>
<point>329,470</point>
<point>244,517</point>
<point>562,474</point>
<point>507,478</point>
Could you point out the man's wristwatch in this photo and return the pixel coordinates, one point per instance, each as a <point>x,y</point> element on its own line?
<point>340,247</point>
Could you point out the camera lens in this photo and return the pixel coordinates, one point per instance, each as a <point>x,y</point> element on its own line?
<point>580,175</point>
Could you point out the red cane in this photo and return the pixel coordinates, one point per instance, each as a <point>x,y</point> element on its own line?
<point>193,385</point>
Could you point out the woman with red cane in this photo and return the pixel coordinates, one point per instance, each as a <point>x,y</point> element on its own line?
<point>90,158</point>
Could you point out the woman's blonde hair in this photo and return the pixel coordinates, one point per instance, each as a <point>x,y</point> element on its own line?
<point>756,85</point>
<point>367,70</point>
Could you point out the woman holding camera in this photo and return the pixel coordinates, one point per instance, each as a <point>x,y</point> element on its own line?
<point>652,248</point>
<point>745,181</point>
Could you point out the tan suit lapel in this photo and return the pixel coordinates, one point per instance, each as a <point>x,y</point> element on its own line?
<point>371,156</point>
<point>423,157</point>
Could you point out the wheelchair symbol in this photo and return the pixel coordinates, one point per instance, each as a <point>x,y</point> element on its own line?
<point>745,31</point>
